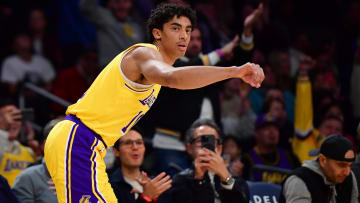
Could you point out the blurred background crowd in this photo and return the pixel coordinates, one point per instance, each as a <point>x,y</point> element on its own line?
<point>309,51</point>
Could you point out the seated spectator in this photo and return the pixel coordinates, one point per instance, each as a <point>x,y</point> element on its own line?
<point>267,152</point>
<point>129,183</point>
<point>208,180</point>
<point>25,65</point>
<point>327,178</point>
<point>274,108</point>
<point>117,27</point>
<point>33,184</point>
<point>6,194</point>
<point>72,82</point>
<point>14,156</point>
<point>232,155</point>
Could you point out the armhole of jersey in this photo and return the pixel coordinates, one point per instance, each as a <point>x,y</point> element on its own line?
<point>131,84</point>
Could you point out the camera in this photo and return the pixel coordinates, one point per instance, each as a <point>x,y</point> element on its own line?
<point>208,141</point>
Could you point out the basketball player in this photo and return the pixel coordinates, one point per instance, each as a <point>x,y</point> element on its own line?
<point>121,94</point>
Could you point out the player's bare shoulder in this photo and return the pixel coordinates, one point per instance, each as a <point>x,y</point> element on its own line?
<point>132,61</point>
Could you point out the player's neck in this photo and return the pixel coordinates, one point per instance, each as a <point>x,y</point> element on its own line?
<point>165,54</point>
<point>130,172</point>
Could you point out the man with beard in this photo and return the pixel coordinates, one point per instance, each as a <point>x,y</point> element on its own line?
<point>327,178</point>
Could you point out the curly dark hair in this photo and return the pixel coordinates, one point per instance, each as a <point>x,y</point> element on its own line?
<point>163,13</point>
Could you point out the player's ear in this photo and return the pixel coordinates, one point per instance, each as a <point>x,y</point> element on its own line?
<point>156,33</point>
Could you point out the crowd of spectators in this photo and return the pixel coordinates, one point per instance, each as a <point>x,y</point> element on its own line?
<point>311,91</point>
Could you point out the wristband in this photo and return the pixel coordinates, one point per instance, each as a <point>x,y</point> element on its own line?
<point>220,52</point>
<point>146,198</point>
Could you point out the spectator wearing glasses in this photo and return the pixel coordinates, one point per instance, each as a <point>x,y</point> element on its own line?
<point>208,180</point>
<point>130,184</point>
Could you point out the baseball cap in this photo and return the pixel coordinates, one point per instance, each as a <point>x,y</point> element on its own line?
<point>264,120</point>
<point>335,147</point>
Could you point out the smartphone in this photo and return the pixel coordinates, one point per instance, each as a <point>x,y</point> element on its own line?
<point>208,141</point>
<point>27,114</point>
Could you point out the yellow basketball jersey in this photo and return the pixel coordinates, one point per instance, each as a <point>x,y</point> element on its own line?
<point>113,104</point>
<point>14,162</point>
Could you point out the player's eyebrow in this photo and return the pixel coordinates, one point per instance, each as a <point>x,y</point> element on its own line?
<point>178,24</point>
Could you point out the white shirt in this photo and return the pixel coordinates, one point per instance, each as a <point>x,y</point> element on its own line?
<point>39,69</point>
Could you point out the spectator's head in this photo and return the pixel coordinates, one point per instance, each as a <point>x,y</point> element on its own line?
<point>258,57</point>
<point>130,149</point>
<point>120,8</point>
<point>280,63</point>
<point>331,125</point>
<point>231,88</point>
<point>270,79</point>
<point>199,129</point>
<point>275,108</point>
<point>37,21</point>
<point>333,109</point>
<point>232,147</point>
<point>195,44</point>
<point>22,43</point>
<point>335,157</point>
<point>88,61</point>
<point>274,93</point>
<point>266,132</point>
<point>301,42</point>
<point>170,25</point>
<point>46,130</point>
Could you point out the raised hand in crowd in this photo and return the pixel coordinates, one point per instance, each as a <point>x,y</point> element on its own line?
<point>208,160</point>
<point>10,117</point>
<point>251,19</point>
<point>227,50</point>
<point>153,188</point>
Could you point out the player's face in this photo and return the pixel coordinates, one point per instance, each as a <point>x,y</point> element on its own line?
<point>175,36</point>
<point>131,149</point>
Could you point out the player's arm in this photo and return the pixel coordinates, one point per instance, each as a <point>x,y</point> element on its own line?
<point>153,68</point>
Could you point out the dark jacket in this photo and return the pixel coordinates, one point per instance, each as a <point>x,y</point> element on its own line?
<point>186,189</point>
<point>122,188</point>
<point>6,194</point>
<point>308,182</point>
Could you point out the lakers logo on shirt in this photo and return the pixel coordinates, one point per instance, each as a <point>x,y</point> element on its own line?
<point>149,100</point>
<point>85,199</point>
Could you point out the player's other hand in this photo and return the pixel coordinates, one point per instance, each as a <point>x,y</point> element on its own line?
<point>251,73</point>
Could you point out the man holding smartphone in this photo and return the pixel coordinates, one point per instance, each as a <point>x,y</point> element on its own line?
<point>209,179</point>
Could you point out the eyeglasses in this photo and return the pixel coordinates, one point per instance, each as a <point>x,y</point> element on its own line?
<point>129,143</point>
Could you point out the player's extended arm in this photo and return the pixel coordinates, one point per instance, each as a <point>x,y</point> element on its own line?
<point>155,70</point>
